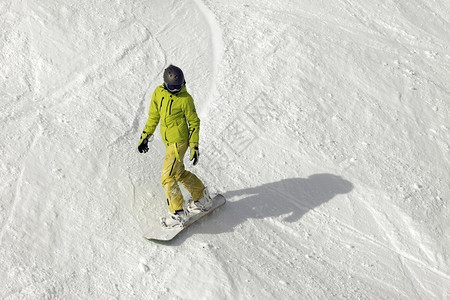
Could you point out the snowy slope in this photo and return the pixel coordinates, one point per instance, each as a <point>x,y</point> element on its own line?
<point>325,124</point>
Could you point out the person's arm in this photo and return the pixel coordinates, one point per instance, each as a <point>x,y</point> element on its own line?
<point>150,125</point>
<point>193,122</point>
<point>194,129</point>
<point>153,116</point>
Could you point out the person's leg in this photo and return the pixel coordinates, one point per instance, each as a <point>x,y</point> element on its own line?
<point>173,171</point>
<point>189,180</point>
<point>171,166</point>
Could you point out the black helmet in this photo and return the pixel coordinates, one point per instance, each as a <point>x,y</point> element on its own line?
<point>173,79</point>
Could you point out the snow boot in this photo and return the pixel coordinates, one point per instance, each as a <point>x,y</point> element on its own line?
<point>177,219</point>
<point>203,204</point>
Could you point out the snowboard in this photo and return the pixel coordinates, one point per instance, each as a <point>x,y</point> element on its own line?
<point>159,233</point>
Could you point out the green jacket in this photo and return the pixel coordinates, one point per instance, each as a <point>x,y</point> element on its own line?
<point>179,120</point>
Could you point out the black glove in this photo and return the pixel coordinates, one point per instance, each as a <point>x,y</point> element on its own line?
<point>194,153</point>
<point>143,143</point>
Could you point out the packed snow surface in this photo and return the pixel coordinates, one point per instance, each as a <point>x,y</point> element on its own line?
<point>324,123</point>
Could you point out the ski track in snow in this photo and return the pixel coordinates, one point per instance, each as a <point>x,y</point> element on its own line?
<point>217,52</point>
<point>325,126</point>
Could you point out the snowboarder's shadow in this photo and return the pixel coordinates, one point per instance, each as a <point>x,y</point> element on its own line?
<point>288,198</point>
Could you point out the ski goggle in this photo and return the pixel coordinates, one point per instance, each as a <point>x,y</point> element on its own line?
<point>174,87</point>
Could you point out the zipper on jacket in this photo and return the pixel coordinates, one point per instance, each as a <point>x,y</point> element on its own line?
<point>167,108</point>
<point>170,108</point>
<point>160,106</point>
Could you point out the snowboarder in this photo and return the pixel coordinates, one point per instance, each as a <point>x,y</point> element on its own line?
<point>174,107</point>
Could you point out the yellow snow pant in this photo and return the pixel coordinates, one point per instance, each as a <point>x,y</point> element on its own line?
<point>173,171</point>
